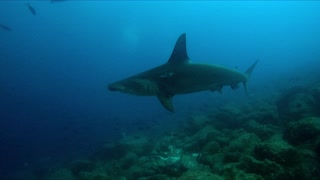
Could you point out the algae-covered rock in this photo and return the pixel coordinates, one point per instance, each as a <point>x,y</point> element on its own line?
<point>306,168</point>
<point>306,130</point>
<point>231,172</point>
<point>263,131</point>
<point>296,103</point>
<point>171,164</point>
<point>265,168</point>
<point>128,160</point>
<point>156,177</point>
<point>196,122</point>
<point>301,105</point>
<point>301,171</point>
<point>142,170</point>
<point>227,117</point>
<point>93,176</point>
<point>199,175</point>
<point>316,94</point>
<point>166,146</point>
<point>207,134</point>
<point>212,147</point>
<point>244,143</point>
<point>278,150</point>
<point>189,161</point>
<point>167,158</point>
<point>232,157</point>
<point>247,176</point>
<point>61,174</point>
<point>79,166</point>
<point>140,145</point>
<point>174,169</point>
<point>262,111</point>
<point>214,161</point>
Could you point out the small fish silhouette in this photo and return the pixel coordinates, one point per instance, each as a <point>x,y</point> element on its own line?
<point>31,9</point>
<point>6,28</point>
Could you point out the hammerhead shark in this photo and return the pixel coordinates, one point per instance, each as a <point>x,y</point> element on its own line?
<point>180,76</point>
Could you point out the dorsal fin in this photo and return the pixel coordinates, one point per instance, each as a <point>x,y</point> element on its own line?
<point>179,53</point>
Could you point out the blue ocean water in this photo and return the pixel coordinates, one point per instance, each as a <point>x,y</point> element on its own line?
<point>55,66</point>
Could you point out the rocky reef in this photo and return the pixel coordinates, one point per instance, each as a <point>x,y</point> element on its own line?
<point>260,139</point>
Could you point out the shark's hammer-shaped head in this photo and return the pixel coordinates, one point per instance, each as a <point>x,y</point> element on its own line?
<point>117,87</point>
<point>125,86</point>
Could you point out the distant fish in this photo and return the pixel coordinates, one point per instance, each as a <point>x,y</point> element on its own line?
<point>6,28</point>
<point>31,9</point>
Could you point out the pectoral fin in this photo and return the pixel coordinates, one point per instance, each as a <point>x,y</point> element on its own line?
<point>166,101</point>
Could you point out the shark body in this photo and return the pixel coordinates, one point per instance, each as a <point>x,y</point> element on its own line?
<point>180,76</point>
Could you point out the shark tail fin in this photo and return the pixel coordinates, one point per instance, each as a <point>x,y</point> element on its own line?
<point>248,73</point>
